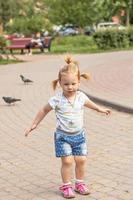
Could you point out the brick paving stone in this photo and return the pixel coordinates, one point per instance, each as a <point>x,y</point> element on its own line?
<point>26,164</point>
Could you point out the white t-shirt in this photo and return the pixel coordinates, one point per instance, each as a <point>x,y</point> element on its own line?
<point>69,116</point>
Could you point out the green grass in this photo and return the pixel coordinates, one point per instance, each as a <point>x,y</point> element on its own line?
<point>79,44</point>
<point>73,44</point>
<point>69,44</point>
<point>11,61</point>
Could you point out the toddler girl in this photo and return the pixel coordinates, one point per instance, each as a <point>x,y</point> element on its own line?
<point>70,141</point>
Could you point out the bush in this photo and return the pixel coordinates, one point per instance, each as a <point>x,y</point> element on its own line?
<point>108,39</point>
<point>130,36</point>
<point>3,42</point>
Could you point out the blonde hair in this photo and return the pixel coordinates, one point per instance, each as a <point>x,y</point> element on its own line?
<point>70,67</point>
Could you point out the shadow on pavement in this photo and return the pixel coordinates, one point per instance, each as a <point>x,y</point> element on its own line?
<point>113,105</point>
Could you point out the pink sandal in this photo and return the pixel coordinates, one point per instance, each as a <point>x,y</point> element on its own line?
<point>67,191</point>
<point>81,188</point>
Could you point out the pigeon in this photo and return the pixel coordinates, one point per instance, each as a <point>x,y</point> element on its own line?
<point>10,100</point>
<point>26,80</point>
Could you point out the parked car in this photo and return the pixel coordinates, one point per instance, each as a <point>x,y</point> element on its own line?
<point>108,25</point>
<point>65,31</point>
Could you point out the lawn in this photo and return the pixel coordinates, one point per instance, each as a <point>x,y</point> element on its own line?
<point>69,44</point>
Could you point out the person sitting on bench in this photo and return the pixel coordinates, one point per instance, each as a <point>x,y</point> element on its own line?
<point>38,41</point>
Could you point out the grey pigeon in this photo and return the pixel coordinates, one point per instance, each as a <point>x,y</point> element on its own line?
<point>26,80</point>
<point>10,100</point>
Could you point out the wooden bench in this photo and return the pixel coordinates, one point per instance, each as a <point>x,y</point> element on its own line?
<point>20,44</point>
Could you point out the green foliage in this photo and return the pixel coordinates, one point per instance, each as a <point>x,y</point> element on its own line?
<point>127,7</point>
<point>10,9</point>
<point>3,41</point>
<point>5,11</point>
<point>110,39</point>
<point>73,44</point>
<point>76,12</point>
<point>28,26</point>
<point>16,9</point>
<point>88,12</point>
<point>105,9</point>
<point>130,36</point>
<point>34,24</point>
<point>18,25</point>
<point>60,12</point>
<point>8,61</point>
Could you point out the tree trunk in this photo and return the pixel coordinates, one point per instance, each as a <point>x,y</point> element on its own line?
<point>1,28</point>
<point>127,17</point>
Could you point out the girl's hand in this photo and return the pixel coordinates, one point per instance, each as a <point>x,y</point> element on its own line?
<point>31,129</point>
<point>92,105</point>
<point>106,111</point>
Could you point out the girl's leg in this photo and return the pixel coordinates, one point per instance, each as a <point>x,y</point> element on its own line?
<point>80,162</point>
<point>67,189</point>
<point>80,186</point>
<point>66,168</point>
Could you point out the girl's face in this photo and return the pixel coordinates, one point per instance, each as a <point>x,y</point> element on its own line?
<point>69,84</point>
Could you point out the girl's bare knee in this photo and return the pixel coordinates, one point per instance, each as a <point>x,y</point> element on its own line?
<point>80,160</point>
<point>67,161</point>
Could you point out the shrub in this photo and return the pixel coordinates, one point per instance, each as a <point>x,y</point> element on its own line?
<point>130,36</point>
<point>112,38</point>
<point>3,42</point>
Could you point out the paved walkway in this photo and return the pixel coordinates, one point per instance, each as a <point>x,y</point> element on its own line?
<point>28,167</point>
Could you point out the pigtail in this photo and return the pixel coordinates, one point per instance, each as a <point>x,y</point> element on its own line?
<point>54,84</point>
<point>68,59</point>
<point>85,76</point>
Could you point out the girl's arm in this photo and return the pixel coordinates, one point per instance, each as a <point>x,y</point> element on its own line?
<point>40,115</point>
<point>90,104</point>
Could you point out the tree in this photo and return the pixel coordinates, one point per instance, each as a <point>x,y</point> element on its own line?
<point>76,12</point>
<point>9,9</point>
<point>127,6</point>
<point>106,9</point>
<point>5,11</point>
<point>103,10</point>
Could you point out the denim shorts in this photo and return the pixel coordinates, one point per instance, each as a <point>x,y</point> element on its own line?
<point>70,144</point>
